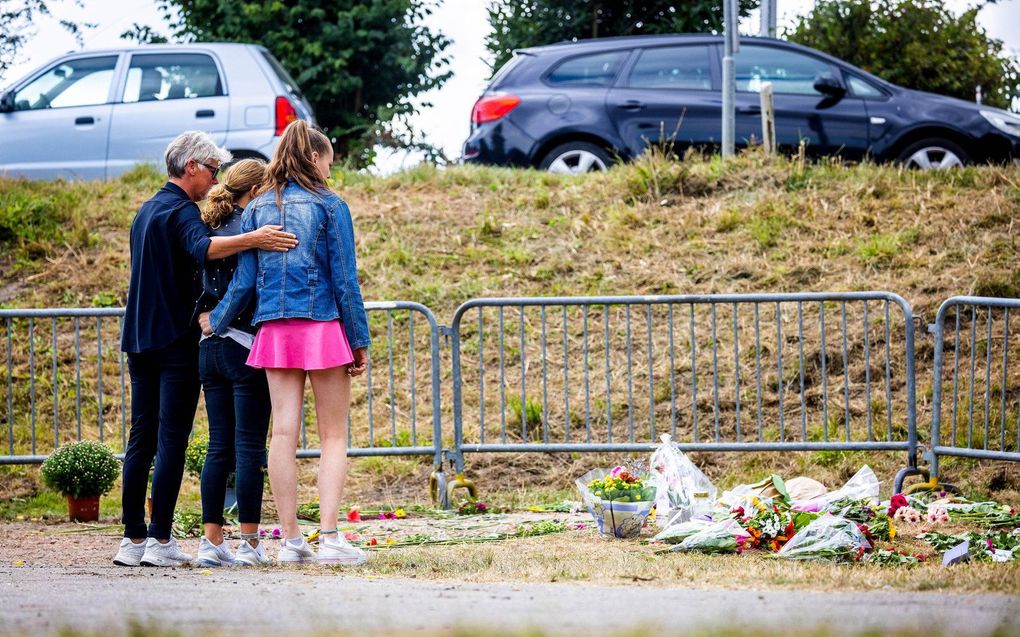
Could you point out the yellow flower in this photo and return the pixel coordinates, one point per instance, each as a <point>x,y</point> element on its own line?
<point>892,530</point>
<point>400,513</point>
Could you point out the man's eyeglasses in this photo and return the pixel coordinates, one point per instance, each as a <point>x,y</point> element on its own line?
<point>213,170</point>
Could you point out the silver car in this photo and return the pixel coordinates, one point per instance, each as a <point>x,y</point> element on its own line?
<point>95,114</point>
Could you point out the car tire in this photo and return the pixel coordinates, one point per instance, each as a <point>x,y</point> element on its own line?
<point>934,153</point>
<point>574,158</point>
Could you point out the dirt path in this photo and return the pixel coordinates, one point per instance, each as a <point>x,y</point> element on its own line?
<point>42,600</point>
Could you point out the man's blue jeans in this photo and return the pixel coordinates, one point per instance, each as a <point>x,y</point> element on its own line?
<point>237,401</point>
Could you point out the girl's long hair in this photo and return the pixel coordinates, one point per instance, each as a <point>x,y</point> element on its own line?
<point>236,181</point>
<point>293,159</point>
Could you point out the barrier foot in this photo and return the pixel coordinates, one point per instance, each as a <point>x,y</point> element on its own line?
<point>902,475</point>
<point>461,482</point>
<point>437,489</point>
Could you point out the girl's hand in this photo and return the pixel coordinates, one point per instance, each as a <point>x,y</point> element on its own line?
<point>360,364</point>
<point>203,322</point>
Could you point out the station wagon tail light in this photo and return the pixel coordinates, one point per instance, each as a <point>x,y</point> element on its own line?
<point>285,114</point>
<point>492,107</point>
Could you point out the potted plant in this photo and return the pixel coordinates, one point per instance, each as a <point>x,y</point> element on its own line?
<point>82,471</point>
<point>619,500</point>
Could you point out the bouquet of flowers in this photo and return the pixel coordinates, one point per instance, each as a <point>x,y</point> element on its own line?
<point>718,537</point>
<point>618,499</point>
<point>827,538</point>
<point>767,525</point>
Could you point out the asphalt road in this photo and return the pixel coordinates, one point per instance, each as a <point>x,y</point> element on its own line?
<point>42,600</point>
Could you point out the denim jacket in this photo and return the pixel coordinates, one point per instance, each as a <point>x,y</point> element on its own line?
<point>318,279</point>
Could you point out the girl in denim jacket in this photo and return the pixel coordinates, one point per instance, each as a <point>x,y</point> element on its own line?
<point>312,324</point>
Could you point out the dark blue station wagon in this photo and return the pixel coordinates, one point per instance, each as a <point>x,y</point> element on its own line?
<point>577,106</point>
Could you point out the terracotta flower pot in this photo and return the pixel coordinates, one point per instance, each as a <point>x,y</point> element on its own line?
<point>83,509</point>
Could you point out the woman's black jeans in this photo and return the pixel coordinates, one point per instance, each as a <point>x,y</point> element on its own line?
<point>164,397</point>
<point>237,401</point>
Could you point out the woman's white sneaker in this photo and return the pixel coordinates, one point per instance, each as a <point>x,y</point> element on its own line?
<point>130,554</point>
<point>292,552</point>
<point>248,556</point>
<point>340,551</point>
<point>159,554</point>
<point>210,554</point>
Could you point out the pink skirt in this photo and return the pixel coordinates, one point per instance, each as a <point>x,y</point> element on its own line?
<point>300,343</point>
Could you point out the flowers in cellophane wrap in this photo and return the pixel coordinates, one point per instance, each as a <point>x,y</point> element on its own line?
<point>768,526</point>
<point>619,500</point>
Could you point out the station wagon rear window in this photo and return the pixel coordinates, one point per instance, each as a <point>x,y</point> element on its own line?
<point>587,70</point>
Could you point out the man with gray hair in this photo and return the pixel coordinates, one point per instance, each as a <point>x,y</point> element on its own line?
<point>168,244</point>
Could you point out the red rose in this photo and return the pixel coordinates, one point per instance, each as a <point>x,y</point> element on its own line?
<point>354,515</point>
<point>898,501</point>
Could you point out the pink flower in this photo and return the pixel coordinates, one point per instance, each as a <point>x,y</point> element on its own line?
<point>351,536</point>
<point>580,527</point>
<point>277,533</point>
<point>616,471</point>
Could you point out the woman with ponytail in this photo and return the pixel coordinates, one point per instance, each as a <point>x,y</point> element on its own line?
<point>236,396</point>
<point>312,324</point>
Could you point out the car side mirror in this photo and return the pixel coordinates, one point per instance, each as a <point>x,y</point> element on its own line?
<point>829,86</point>
<point>7,102</point>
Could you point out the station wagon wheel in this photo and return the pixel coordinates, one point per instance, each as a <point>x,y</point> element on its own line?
<point>575,158</point>
<point>934,154</point>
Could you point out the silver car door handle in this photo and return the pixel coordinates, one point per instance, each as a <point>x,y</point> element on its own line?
<point>632,105</point>
<point>84,121</point>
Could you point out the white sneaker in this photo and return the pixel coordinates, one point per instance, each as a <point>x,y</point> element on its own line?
<point>130,554</point>
<point>158,554</point>
<point>210,554</point>
<point>291,553</point>
<point>248,556</point>
<point>340,551</point>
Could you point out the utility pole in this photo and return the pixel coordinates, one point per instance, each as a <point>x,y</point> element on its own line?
<point>731,45</point>
<point>768,19</point>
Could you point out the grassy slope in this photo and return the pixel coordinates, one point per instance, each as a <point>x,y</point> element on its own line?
<point>441,237</point>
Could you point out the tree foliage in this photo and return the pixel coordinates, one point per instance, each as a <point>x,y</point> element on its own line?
<point>919,44</point>
<point>358,63</point>
<point>522,23</point>
<point>17,25</point>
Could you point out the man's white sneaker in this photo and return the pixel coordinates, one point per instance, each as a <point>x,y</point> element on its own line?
<point>211,555</point>
<point>340,551</point>
<point>248,556</point>
<point>296,553</point>
<point>158,554</point>
<point>130,554</point>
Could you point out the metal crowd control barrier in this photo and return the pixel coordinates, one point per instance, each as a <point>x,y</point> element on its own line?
<point>985,406</point>
<point>731,372</point>
<point>66,379</point>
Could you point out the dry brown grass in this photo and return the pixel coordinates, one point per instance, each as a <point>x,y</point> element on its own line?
<point>585,557</point>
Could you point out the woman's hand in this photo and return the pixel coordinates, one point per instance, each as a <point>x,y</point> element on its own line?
<point>360,364</point>
<point>203,322</point>
<point>273,238</point>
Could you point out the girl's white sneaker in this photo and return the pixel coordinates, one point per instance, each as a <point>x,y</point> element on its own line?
<point>159,554</point>
<point>248,556</point>
<point>295,553</point>
<point>210,554</point>
<point>340,551</point>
